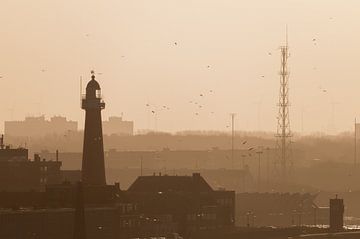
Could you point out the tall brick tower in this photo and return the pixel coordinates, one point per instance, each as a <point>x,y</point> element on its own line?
<point>93,165</point>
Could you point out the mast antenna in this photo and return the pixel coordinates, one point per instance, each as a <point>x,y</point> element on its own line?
<point>283,134</point>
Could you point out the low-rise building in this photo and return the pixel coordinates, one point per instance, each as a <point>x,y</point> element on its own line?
<point>18,173</point>
<point>190,200</point>
<point>117,126</point>
<point>34,127</point>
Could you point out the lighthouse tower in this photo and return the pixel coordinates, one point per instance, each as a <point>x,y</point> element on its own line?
<point>93,165</point>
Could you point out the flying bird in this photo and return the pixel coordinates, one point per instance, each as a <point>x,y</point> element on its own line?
<point>175,43</point>
<point>250,148</point>
<point>153,112</point>
<point>244,142</point>
<point>201,95</point>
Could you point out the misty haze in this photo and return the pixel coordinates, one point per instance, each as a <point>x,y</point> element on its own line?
<point>179,119</point>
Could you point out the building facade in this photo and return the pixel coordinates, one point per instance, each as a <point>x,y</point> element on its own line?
<point>117,126</point>
<point>190,200</point>
<point>35,127</point>
<point>18,173</point>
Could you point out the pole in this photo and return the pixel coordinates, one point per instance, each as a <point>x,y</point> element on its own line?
<point>243,169</point>
<point>259,168</point>
<point>267,165</point>
<point>232,139</point>
<point>355,144</point>
<point>248,219</point>
<point>81,90</point>
<point>141,166</point>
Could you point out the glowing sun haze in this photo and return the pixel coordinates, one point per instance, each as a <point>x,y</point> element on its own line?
<point>167,53</point>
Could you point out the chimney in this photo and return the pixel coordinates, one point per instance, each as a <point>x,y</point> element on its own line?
<point>36,157</point>
<point>57,155</point>
<point>2,142</point>
<point>336,214</point>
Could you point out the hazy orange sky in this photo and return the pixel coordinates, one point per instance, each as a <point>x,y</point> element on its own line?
<point>47,45</point>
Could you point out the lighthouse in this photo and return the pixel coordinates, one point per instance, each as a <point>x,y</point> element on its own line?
<point>93,165</point>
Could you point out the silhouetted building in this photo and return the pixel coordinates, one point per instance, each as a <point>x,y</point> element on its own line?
<point>118,126</point>
<point>8,154</point>
<point>278,210</point>
<point>58,223</point>
<point>336,214</point>
<point>18,173</point>
<point>190,200</point>
<point>108,214</point>
<point>34,127</point>
<point>93,166</point>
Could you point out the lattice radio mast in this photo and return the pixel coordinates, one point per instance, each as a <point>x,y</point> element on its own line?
<point>283,142</point>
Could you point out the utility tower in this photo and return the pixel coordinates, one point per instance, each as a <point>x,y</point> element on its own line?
<point>283,142</point>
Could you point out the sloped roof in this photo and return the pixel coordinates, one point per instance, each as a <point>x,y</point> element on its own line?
<point>166,183</point>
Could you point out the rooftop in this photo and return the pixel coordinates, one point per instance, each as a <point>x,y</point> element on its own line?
<point>166,183</point>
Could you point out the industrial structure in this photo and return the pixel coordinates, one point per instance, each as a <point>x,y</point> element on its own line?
<point>283,142</point>
<point>336,214</point>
